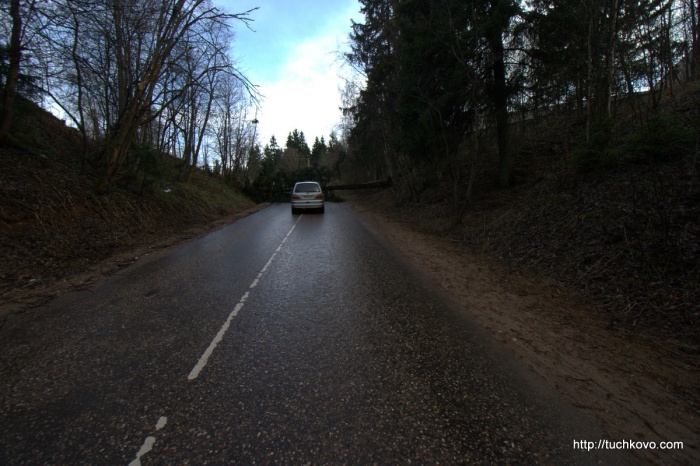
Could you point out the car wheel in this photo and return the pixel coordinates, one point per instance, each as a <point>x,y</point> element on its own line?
<point>322,209</point>
<point>294,211</point>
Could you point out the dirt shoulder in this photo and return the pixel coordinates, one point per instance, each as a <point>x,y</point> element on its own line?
<point>634,388</point>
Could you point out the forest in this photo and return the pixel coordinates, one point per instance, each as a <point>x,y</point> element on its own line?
<point>443,79</point>
<point>143,78</point>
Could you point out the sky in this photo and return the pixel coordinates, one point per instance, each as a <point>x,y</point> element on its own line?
<point>291,53</point>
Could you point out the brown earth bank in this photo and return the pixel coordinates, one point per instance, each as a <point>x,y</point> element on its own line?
<point>56,234</point>
<point>18,296</point>
<point>635,387</point>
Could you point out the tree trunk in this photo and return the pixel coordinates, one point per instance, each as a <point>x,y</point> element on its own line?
<point>15,53</point>
<point>113,163</point>
<point>695,36</point>
<point>118,148</point>
<point>602,38</point>
<point>609,64</point>
<point>506,158</point>
<point>79,86</point>
<point>590,76</point>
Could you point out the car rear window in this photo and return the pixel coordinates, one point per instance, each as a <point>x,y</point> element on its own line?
<point>307,188</point>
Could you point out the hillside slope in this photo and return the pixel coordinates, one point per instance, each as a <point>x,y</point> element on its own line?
<point>55,233</point>
<point>625,235</point>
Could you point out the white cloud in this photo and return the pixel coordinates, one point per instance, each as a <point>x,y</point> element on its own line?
<point>292,58</point>
<point>305,94</point>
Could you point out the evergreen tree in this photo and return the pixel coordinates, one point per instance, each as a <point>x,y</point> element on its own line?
<point>297,141</point>
<point>317,151</point>
<point>430,67</point>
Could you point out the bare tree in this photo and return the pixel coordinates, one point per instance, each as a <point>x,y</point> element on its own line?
<point>21,22</point>
<point>15,53</point>
<point>144,42</point>
<point>235,130</point>
<point>208,73</point>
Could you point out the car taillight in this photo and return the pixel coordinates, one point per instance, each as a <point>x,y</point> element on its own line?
<point>295,197</point>
<point>319,196</point>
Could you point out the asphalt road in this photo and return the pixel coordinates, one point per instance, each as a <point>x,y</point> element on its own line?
<point>277,339</point>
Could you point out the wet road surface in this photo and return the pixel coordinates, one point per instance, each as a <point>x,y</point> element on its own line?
<point>277,339</point>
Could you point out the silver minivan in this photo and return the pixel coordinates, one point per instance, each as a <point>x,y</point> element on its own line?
<point>307,195</point>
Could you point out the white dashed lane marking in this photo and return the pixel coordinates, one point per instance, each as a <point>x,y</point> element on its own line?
<point>151,440</point>
<point>220,335</point>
